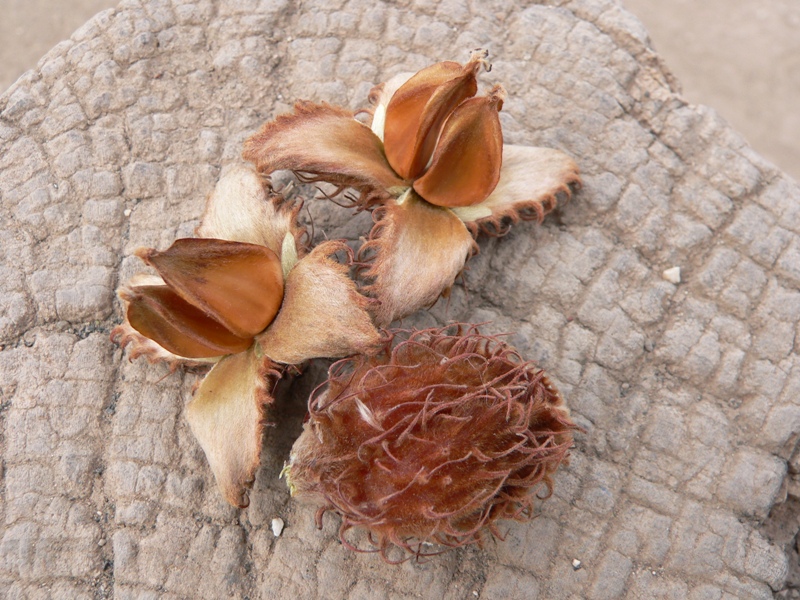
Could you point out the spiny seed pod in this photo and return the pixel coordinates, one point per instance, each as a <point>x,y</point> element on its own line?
<point>431,441</point>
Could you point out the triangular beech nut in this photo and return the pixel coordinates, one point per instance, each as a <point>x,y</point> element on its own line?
<point>239,285</point>
<point>415,114</point>
<point>160,314</point>
<point>466,165</point>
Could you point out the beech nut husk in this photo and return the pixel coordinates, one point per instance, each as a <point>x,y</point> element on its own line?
<point>431,441</point>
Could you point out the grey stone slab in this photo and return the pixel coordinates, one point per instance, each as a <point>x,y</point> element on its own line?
<point>689,393</point>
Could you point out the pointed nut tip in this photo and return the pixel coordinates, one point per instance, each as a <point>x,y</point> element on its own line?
<point>497,95</point>
<point>127,294</point>
<point>144,253</point>
<point>497,91</point>
<point>478,58</point>
<point>479,53</point>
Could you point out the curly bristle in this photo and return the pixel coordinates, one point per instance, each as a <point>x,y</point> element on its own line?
<point>432,440</point>
<point>499,223</point>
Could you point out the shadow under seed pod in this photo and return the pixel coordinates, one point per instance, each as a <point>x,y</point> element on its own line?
<point>431,441</point>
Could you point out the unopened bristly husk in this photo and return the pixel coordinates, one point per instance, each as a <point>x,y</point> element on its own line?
<point>432,441</point>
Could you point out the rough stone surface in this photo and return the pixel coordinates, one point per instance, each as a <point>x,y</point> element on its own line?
<point>689,394</point>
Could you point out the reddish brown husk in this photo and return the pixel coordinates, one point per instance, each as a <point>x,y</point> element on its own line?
<point>431,441</point>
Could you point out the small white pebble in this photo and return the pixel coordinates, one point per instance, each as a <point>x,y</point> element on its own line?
<point>127,212</point>
<point>277,527</point>
<point>475,593</point>
<point>101,543</point>
<point>576,564</point>
<point>672,275</point>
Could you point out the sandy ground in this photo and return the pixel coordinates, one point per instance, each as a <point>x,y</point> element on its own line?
<point>29,28</point>
<point>741,57</point>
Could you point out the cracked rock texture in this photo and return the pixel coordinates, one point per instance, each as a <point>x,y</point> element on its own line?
<point>683,484</point>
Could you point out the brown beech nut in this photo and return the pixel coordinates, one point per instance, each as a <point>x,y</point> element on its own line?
<point>431,441</point>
